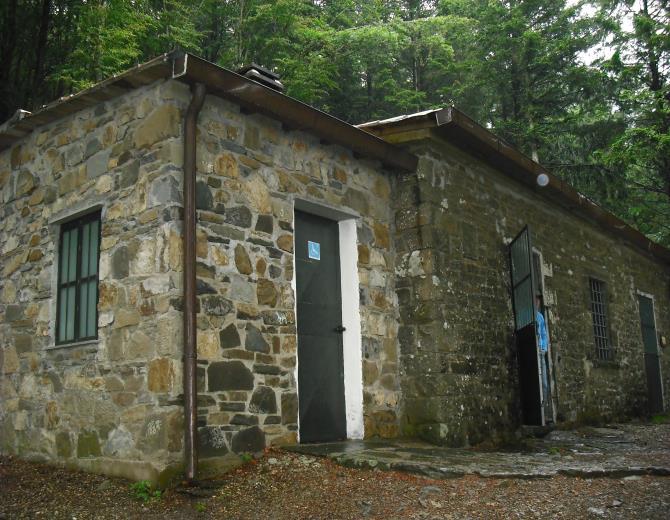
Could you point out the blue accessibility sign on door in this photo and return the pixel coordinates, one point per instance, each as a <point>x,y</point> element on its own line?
<point>314,250</point>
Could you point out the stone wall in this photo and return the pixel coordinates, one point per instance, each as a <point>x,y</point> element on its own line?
<point>250,172</point>
<point>460,380</point>
<point>112,404</point>
<point>434,289</point>
<point>115,404</point>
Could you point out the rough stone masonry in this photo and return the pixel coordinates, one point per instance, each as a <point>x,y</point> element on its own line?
<point>460,380</point>
<point>115,404</point>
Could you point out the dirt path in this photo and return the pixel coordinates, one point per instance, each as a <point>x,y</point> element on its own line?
<point>291,486</point>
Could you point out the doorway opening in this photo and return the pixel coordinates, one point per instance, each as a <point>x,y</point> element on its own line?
<point>652,358</point>
<point>530,331</point>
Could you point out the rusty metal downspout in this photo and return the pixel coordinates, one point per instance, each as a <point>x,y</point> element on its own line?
<point>190,345</point>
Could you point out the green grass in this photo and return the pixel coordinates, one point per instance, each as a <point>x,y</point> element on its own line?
<point>142,491</point>
<point>660,418</point>
<point>246,457</point>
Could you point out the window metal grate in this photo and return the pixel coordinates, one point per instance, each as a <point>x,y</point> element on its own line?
<point>599,315</point>
<point>76,314</point>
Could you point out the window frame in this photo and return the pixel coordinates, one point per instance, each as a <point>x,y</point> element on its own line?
<point>77,223</point>
<point>602,353</point>
<point>540,287</point>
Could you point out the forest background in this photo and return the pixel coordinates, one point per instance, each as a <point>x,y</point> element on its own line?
<point>582,87</point>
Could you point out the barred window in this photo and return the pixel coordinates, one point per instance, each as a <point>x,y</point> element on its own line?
<point>599,317</point>
<point>77,314</point>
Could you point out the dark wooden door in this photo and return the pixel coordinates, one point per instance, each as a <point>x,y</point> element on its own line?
<point>651,355</point>
<point>319,304</point>
<point>523,303</point>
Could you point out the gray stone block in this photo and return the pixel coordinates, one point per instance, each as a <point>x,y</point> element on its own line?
<point>216,305</point>
<point>229,337</point>
<point>251,440</point>
<point>263,400</point>
<point>229,375</point>
<point>212,441</point>
<point>164,190</point>
<point>97,164</point>
<point>239,216</point>
<point>255,341</point>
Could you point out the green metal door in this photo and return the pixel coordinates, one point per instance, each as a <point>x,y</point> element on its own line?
<point>652,361</point>
<point>523,295</point>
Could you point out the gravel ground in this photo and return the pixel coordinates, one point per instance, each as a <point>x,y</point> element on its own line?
<point>284,485</point>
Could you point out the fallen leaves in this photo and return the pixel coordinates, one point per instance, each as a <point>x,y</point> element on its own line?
<point>283,485</point>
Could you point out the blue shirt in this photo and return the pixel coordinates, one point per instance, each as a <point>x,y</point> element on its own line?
<point>542,336</point>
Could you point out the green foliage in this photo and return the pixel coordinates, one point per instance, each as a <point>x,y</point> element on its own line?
<point>660,419</point>
<point>246,457</point>
<point>107,43</point>
<point>143,491</point>
<point>580,86</point>
<point>200,507</point>
<point>640,153</point>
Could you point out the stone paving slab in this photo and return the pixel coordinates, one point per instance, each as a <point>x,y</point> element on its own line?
<point>619,451</point>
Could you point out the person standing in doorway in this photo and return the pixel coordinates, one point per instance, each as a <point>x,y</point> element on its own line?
<point>543,345</point>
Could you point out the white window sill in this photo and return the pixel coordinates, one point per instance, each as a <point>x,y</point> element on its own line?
<point>72,345</point>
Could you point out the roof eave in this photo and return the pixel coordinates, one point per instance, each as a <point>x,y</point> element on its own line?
<point>144,74</point>
<point>224,83</point>
<point>294,114</point>
<point>464,132</point>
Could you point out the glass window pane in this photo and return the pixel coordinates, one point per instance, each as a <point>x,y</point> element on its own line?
<point>65,250</point>
<point>72,260</point>
<point>92,325</point>
<point>93,254</point>
<point>85,231</point>
<point>69,324</point>
<point>62,314</point>
<point>83,309</point>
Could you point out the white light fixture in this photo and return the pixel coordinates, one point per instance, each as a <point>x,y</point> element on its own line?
<point>542,180</point>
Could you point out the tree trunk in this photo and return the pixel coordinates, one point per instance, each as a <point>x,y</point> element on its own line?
<point>45,19</point>
<point>9,42</point>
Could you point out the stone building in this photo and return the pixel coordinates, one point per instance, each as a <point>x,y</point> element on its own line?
<point>466,375</point>
<point>339,284</point>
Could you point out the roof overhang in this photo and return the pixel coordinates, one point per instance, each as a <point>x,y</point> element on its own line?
<point>250,95</point>
<point>462,131</point>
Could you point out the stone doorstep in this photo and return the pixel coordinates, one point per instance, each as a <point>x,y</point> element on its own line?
<point>441,472</point>
<point>455,463</point>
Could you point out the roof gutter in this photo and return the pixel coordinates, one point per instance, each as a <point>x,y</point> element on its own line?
<point>24,123</point>
<point>465,133</point>
<point>190,333</point>
<point>460,127</point>
<point>293,114</point>
<point>250,95</point>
